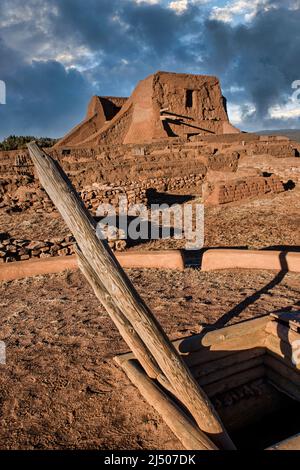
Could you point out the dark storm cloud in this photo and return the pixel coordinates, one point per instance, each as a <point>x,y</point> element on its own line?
<point>123,27</point>
<point>115,42</point>
<point>262,57</point>
<point>55,54</point>
<point>129,41</point>
<point>41,96</point>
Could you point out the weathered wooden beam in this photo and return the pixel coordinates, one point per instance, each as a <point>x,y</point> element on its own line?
<point>279,348</point>
<point>222,335</point>
<point>290,319</point>
<point>291,443</point>
<point>234,381</point>
<point>282,384</point>
<point>285,371</point>
<point>282,331</point>
<point>126,298</point>
<point>229,372</point>
<point>214,366</point>
<point>180,424</point>
<point>228,346</point>
<point>124,326</point>
<point>206,355</point>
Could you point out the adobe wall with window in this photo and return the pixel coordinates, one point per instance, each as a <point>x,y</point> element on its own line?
<point>163,105</point>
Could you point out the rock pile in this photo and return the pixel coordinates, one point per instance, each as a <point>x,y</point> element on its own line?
<point>12,249</point>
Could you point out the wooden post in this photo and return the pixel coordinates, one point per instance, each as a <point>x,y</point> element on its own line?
<point>124,326</point>
<point>125,297</point>
<point>180,424</point>
<point>283,332</point>
<point>235,333</point>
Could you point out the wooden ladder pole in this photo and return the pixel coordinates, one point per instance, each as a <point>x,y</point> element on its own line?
<point>126,298</point>
<point>181,425</point>
<point>187,432</point>
<point>124,326</point>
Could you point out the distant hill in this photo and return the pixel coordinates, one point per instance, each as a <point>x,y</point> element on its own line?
<point>293,134</point>
<point>14,142</point>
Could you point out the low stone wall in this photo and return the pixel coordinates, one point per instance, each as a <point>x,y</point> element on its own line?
<point>36,199</point>
<point>166,259</point>
<point>251,187</point>
<point>12,249</point>
<point>285,169</point>
<point>277,149</point>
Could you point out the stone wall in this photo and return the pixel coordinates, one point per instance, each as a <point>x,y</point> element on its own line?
<point>252,187</point>
<point>32,197</point>
<point>12,249</point>
<point>107,171</point>
<point>286,169</point>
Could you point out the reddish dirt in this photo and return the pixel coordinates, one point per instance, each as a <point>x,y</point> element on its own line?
<point>61,388</point>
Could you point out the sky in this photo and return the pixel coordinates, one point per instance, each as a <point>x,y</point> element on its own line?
<point>56,54</point>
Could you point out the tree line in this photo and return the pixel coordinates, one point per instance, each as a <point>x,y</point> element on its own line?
<point>14,142</point>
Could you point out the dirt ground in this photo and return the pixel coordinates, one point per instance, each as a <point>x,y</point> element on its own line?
<point>61,389</point>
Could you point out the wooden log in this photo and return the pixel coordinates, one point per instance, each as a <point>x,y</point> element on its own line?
<point>282,384</point>
<point>230,371</point>
<point>126,298</point>
<point>291,319</point>
<point>209,338</point>
<point>283,332</point>
<point>234,381</point>
<point>206,355</point>
<point>180,424</point>
<point>283,369</point>
<point>292,443</point>
<point>224,363</point>
<point>124,326</point>
<point>280,349</point>
<point>225,348</point>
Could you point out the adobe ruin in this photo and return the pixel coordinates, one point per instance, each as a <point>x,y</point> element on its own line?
<point>65,336</point>
<point>162,105</point>
<point>171,136</point>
